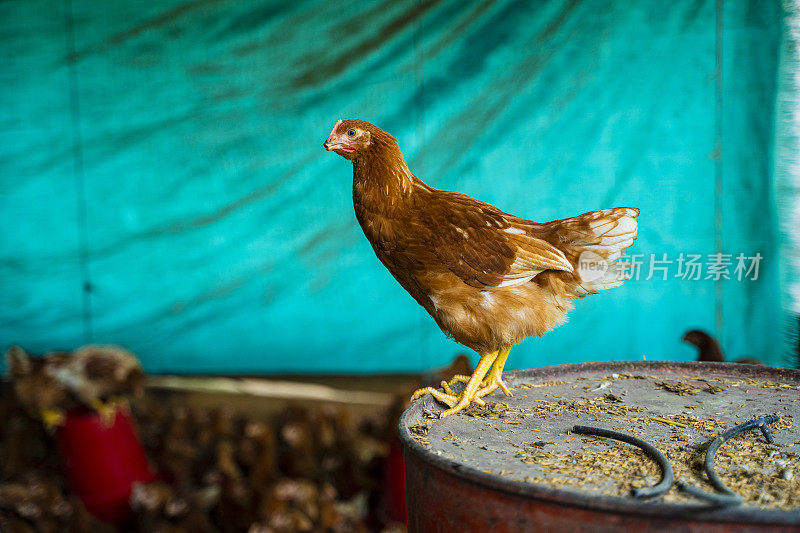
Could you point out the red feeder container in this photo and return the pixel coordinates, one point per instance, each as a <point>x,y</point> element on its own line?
<point>395,475</point>
<point>102,462</point>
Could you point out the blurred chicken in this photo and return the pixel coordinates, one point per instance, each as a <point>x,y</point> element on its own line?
<point>256,452</point>
<point>97,376</point>
<point>488,279</point>
<point>35,385</point>
<point>710,350</point>
<point>218,471</point>
<point>158,507</point>
<point>37,504</point>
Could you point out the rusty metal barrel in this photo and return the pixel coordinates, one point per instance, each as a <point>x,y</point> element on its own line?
<point>517,463</point>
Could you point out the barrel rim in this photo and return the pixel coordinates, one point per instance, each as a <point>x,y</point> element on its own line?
<point>599,502</point>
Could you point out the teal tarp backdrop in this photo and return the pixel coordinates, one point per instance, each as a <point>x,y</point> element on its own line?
<point>164,184</point>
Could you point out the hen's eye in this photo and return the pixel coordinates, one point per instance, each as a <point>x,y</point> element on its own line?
<point>351,132</point>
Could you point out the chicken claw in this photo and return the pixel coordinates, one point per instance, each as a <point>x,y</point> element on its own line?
<point>468,394</point>
<point>487,378</point>
<point>488,387</point>
<point>449,399</point>
<point>448,390</point>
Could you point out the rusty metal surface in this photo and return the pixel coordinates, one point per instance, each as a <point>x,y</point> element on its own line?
<point>477,458</point>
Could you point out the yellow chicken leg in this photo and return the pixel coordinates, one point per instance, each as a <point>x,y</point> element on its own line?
<point>492,382</point>
<point>495,378</point>
<point>52,418</point>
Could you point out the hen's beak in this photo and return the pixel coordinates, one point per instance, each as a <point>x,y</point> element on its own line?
<point>335,143</point>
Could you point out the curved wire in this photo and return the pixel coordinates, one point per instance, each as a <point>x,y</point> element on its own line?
<point>722,500</point>
<point>666,468</point>
<point>711,452</point>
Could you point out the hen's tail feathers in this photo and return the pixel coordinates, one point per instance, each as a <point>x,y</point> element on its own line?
<point>597,240</point>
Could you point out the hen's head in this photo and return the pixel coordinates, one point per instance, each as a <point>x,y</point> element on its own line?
<point>112,370</point>
<point>354,138</point>
<point>698,338</point>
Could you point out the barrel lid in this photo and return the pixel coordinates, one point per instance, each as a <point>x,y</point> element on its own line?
<point>524,444</point>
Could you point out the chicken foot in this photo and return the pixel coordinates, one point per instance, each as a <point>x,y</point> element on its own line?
<point>459,401</point>
<point>490,383</point>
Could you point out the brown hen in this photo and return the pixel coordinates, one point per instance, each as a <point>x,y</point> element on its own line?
<point>94,375</point>
<point>488,279</point>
